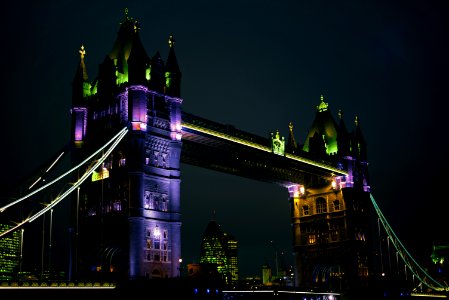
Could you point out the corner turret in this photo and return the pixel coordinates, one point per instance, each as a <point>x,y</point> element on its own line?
<point>172,72</point>
<point>79,111</point>
<point>80,83</point>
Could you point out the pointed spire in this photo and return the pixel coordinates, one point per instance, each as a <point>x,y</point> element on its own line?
<point>82,65</point>
<point>291,143</point>
<point>343,138</point>
<point>172,63</point>
<point>138,61</point>
<point>172,71</point>
<point>171,41</point>
<point>126,13</point>
<point>359,144</point>
<point>80,85</point>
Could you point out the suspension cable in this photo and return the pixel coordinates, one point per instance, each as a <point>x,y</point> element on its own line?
<point>58,199</point>
<point>405,255</point>
<point>2,209</point>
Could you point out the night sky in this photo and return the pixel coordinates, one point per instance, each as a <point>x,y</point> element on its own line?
<point>256,65</point>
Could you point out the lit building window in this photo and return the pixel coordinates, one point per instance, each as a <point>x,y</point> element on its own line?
<point>312,239</point>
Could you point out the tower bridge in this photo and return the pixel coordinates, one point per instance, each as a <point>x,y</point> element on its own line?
<point>224,148</point>
<point>129,130</point>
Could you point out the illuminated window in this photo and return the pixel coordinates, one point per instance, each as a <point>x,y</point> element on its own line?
<point>312,239</point>
<point>164,204</point>
<point>117,205</point>
<point>149,244</point>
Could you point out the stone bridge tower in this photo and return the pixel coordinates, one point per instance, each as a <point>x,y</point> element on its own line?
<point>126,220</point>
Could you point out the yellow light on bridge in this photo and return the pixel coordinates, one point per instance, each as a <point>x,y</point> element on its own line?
<point>100,175</point>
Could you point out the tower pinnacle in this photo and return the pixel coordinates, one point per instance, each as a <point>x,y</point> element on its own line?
<point>126,13</point>
<point>323,105</point>
<point>171,41</point>
<point>82,52</point>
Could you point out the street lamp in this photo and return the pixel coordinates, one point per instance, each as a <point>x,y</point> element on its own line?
<point>179,267</point>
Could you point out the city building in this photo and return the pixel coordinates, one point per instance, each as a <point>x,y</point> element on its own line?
<point>10,253</point>
<point>220,249</point>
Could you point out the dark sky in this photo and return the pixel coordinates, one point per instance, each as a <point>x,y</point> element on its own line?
<point>256,65</point>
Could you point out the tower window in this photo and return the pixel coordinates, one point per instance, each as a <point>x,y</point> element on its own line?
<point>336,205</point>
<point>321,205</point>
<point>305,210</point>
<point>312,239</point>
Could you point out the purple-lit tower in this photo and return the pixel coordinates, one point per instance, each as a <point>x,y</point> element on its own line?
<point>126,219</point>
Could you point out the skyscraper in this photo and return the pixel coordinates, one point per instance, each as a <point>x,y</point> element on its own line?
<point>220,248</point>
<point>10,249</point>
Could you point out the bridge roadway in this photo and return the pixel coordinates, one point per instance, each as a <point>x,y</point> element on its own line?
<point>184,289</point>
<point>226,149</point>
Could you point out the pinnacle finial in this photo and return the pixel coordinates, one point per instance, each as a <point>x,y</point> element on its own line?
<point>290,126</point>
<point>340,114</point>
<point>126,13</point>
<point>82,52</point>
<point>356,120</point>
<point>171,41</point>
<point>323,105</point>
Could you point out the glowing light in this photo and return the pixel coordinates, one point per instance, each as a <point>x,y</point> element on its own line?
<point>139,126</point>
<point>117,136</point>
<point>82,179</point>
<point>51,166</point>
<point>260,147</point>
<point>302,190</point>
<point>157,232</point>
<point>334,184</point>
<point>100,175</point>
<point>34,183</point>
